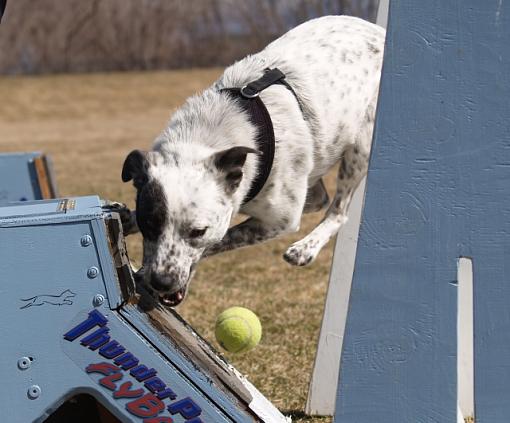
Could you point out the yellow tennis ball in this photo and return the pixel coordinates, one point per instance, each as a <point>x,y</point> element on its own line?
<point>238,329</point>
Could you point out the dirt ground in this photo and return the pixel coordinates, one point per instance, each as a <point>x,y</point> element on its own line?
<point>89,123</point>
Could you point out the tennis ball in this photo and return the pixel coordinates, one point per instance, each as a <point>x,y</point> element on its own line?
<point>238,329</point>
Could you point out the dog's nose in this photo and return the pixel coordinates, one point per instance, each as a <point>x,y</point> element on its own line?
<point>159,283</point>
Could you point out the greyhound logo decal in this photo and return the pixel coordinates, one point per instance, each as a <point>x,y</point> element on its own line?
<point>64,298</point>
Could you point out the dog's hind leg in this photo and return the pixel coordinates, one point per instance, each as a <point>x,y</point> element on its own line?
<point>316,198</point>
<point>353,166</point>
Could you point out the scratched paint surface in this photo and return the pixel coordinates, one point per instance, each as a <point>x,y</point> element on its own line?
<point>438,189</point>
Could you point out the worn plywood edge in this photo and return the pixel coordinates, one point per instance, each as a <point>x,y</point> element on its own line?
<point>182,337</point>
<point>43,177</point>
<point>52,179</point>
<point>208,360</point>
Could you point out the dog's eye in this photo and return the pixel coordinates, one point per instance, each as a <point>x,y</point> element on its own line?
<point>197,233</point>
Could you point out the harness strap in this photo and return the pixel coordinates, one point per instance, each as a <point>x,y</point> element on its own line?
<point>248,98</point>
<point>270,77</point>
<point>259,116</point>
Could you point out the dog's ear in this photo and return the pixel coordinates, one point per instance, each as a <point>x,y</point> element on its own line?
<point>230,162</point>
<point>135,168</point>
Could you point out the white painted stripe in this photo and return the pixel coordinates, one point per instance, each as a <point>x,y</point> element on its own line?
<point>323,384</point>
<point>260,405</point>
<point>465,340</point>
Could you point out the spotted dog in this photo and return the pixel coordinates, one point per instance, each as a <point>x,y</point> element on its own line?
<point>202,166</point>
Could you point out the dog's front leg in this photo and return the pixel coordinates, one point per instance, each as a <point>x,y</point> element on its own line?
<point>251,231</point>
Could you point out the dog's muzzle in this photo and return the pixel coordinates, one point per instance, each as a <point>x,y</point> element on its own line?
<point>162,284</point>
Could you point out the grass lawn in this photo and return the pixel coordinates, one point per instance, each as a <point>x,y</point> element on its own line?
<point>89,123</point>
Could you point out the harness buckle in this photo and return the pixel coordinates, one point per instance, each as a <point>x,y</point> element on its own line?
<point>245,94</point>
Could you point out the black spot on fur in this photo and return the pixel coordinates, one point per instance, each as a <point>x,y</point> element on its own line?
<point>347,168</point>
<point>172,158</point>
<point>151,213</point>
<point>343,166</point>
<point>372,48</point>
<point>289,194</point>
<point>298,164</point>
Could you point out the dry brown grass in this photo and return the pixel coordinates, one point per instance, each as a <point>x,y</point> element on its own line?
<point>88,123</point>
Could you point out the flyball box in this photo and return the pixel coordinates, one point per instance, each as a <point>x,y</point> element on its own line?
<point>75,339</point>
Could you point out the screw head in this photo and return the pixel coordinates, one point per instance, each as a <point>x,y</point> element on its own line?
<point>98,300</point>
<point>34,391</point>
<point>92,272</point>
<point>24,363</point>
<point>86,240</point>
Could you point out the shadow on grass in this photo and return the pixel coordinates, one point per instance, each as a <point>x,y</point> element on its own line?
<point>300,416</point>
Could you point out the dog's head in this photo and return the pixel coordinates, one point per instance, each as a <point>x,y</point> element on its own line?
<point>183,206</point>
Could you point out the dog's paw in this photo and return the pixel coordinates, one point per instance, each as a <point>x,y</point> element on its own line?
<point>127,217</point>
<point>300,254</point>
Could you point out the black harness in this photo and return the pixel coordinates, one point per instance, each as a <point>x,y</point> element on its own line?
<point>248,98</point>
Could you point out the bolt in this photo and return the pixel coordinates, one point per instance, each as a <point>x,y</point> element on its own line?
<point>92,272</point>
<point>86,240</point>
<point>98,300</point>
<point>34,391</point>
<point>24,363</point>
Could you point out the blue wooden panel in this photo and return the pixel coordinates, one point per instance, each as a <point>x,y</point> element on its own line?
<point>18,180</point>
<point>437,189</point>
